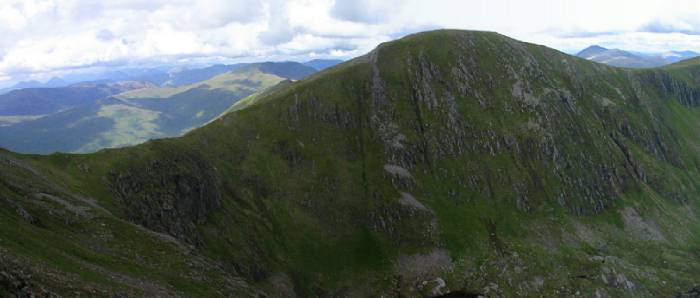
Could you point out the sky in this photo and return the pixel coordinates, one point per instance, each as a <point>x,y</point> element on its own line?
<point>40,39</point>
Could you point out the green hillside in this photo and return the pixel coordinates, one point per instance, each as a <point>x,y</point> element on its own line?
<point>136,116</point>
<point>233,81</point>
<point>688,62</point>
<point>446,162</point>
<point>37,102</point>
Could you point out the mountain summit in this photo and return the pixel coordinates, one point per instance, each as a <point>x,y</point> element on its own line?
<point>444,163</point>
<point>591,51</point>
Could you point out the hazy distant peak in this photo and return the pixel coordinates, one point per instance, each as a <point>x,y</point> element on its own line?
<point>622,58</point>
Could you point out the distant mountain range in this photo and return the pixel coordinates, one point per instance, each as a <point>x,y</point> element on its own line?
<point>621,58</point>
<point>89,116</point>
<point>52,83</point>
<point>167,76</point>
<point>42,101</point>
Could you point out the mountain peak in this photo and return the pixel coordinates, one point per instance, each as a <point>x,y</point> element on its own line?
<point>596,47</point>
<point>591,50</point>
<point>55,81</point>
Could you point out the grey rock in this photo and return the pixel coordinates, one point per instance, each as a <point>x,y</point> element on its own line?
<point>408,200</point>
<point>169,196</point>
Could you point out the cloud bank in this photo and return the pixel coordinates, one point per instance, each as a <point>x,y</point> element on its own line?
<point>42,38</point>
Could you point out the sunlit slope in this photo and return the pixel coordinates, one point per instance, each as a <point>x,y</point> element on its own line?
<point>135,116</point>
<point>248,77</point>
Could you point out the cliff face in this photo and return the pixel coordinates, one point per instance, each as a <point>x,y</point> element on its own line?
<point>446,161</point>
<point>171,195</point>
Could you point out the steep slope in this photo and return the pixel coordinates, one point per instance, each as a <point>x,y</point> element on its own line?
<point>321,64</point>
<point>690,64</point>
<point>445,162</point>
<point>136,116</point>
<point>55,242</point>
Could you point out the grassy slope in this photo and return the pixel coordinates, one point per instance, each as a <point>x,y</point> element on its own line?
<point>69,245</point>
<point>535,172</point>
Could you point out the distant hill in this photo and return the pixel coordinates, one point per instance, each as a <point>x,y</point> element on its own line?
<point>621,58</point>
<point>190,76</point>
<point>90,123</point>
<point>321,64</point>
<point>688,62</point>
<point>52,83</point>
<point>41,101</point>
<point>165,76</point>
<point>160,76</point>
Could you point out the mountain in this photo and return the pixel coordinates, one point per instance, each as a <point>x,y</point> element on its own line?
<point>290,70</point>
<point>321,64</point>
<point>52,83</point>
<point>451,163</point>
<point>622,58</point>
<point>157,76</point>
<point>685,64</point>
<point>676,56</point>
<point>139,115</point>
<point>170,77</point>
<point>41,101</point>
<point>173,77</point>
<point>160,76</point>
<point>191,76</point>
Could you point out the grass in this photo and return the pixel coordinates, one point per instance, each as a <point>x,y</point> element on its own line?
<point>508,182</point>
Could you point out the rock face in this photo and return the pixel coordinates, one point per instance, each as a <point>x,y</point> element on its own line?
<point>17,285</point>
<point>171,196</point>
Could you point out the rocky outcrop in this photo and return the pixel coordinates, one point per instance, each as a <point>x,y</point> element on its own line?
<point>171,195</point>
<point>671,87</point>
<point>20,284</point>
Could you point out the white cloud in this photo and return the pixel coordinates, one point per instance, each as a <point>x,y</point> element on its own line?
<point>279,29</point>
<point>207,14</point>
<point>364,11</point>
<point>11,18</point>
<point>43,37</point>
